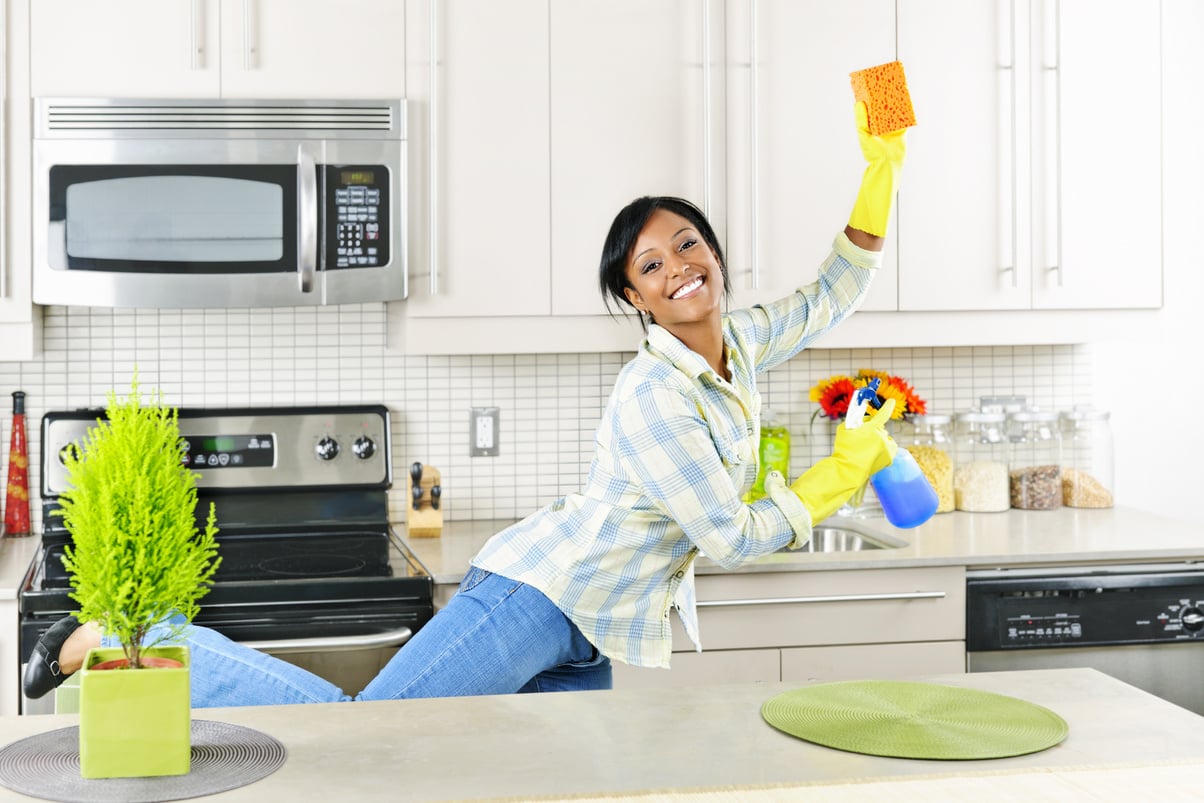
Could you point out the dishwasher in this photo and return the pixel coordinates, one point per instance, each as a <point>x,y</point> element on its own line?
<point>1142,624</point>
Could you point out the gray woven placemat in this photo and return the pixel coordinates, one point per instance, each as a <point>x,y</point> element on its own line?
<point>224,756</point>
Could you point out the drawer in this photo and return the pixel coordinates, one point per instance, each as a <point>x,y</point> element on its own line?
<point>703,669</point>
<point>800,609</point>
<point>873,661</point>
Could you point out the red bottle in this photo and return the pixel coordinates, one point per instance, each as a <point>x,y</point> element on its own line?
<point>16,503</point>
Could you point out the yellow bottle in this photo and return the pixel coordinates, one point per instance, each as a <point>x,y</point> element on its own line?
<point>773,453</point>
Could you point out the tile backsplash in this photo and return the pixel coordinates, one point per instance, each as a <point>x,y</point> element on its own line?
<point>549,404</point>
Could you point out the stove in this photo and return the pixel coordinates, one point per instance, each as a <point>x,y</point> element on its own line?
<point>310,565</point>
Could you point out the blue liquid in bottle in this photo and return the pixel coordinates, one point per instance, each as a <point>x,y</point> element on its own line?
<point>907,498</point>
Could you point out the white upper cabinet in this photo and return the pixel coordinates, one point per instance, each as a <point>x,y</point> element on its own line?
<point>794,164</point>
<point>482,247</point>
<point>124,48</point>
<point>1033,177</point>
<point>218,48</point>
<point>19,321</point>
<point>635,110</point>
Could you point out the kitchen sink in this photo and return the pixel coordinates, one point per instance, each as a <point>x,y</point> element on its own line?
<point>829,537</point>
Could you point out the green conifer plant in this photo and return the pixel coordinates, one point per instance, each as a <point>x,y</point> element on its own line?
<point>138,556</point>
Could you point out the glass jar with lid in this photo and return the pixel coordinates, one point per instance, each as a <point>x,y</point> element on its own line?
<point>930,441</point>
<point>1035,463</point>
<point>980,460</point>
<point>1087,468</point>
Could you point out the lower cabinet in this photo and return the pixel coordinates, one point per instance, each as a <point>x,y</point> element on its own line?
<point>818,626</point>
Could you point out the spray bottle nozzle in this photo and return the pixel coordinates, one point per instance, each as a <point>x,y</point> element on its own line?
<point>867,395</point>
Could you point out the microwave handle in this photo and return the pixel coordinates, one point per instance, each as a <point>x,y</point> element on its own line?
<point>307,220</point>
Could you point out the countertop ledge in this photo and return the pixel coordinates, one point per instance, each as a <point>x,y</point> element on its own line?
<point>1016,538</point>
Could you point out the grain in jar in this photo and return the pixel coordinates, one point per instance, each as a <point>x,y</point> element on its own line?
<point>931,444</point>
<point>1087,475</point>
<point>1035,463</point>
<point>980,473</point>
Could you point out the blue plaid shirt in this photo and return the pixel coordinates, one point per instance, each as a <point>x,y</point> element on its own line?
<point>674,454</point>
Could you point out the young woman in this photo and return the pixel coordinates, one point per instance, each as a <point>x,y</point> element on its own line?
<point>549,602</point>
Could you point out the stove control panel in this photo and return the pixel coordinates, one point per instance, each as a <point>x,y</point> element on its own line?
<point>1131,607</point>
<point>244,448</point>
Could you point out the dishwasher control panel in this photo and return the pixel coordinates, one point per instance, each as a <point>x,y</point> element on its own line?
<point>1084,607</point>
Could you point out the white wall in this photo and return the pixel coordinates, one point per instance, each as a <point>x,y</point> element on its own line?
<point>1137,373</point>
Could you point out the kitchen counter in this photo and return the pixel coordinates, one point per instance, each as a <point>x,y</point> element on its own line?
<point>597,744</point>
<point>975,540</point>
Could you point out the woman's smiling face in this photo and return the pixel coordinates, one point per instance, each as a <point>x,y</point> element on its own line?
<point>675,277</point>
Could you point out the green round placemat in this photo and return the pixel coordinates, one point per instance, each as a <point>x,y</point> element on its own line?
<point>903,719</point>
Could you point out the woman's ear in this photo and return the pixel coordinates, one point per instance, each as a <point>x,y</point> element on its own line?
<point>636,300</point>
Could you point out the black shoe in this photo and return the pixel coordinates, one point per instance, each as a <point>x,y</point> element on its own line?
<point>42,674</point>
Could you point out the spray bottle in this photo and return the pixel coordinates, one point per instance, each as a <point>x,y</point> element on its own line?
<point>907,498</point>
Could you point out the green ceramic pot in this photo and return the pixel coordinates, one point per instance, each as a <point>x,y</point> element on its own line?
<point>135,723</point>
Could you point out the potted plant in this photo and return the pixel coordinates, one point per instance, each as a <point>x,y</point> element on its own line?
<point>138,559</point>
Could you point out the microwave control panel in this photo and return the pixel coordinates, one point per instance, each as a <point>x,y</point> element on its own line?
<point>357,203</point>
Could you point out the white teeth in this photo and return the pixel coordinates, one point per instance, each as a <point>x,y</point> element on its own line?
<point>688,288</point>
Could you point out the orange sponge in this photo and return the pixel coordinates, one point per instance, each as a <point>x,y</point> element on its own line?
<point>884,90</point>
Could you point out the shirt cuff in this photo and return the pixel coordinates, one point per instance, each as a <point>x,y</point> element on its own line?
<point>855,254</point>
<point>792,508</point>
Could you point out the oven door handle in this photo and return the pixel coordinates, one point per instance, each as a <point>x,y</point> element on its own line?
<point>390,638</point>
<point>307,219</point>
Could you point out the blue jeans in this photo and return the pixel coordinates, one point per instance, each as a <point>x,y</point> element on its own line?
<point>496,636</point>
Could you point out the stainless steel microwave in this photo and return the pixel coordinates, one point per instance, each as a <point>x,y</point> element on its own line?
<point>218,203</point>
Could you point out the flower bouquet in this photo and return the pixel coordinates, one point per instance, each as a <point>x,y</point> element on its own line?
<point>835,393</point>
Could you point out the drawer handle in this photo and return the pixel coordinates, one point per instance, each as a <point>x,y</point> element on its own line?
<point>727,603</point>
<point>390,638</point>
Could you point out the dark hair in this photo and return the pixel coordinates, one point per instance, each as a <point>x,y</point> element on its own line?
<point>626,228</point>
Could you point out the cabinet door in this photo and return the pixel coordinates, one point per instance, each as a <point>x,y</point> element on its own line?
<point>794,163</point>
<point>486,199</point>
<point>312,49</point>
<point>1097,213</point>
<point>636,90</point>
<point>963,234</point>
<point>1041,162</point>
<point>873,661</point>
<point>703,669</point>
<point>124,48</point>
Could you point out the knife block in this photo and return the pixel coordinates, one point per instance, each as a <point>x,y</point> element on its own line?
<point>424,520</point>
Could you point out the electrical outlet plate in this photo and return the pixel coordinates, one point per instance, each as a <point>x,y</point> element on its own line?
<point>483,432</point>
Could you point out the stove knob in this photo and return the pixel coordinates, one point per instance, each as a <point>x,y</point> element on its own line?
<point>1192,618</point>
<point>364,447</point>
<point>327,448</point>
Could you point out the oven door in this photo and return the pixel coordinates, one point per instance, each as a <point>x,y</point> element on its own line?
<point>235,206</point>
<point>344,629</point>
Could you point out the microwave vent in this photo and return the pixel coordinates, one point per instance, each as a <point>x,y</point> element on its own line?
<point>136,118</point>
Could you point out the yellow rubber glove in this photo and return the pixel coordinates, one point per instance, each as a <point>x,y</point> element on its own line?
<point>858,453</point>
<point>884,153</point>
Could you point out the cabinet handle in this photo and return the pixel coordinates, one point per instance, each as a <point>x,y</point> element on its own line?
<point>754,132</point>
<point>307,219</point>
<point>731,603</point>
<point>433,151</point>
<point>248,35</point>
<point>1053,75</point>
<point>196,39</point>
<point>390,638</point>
<point>1010,67</point>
